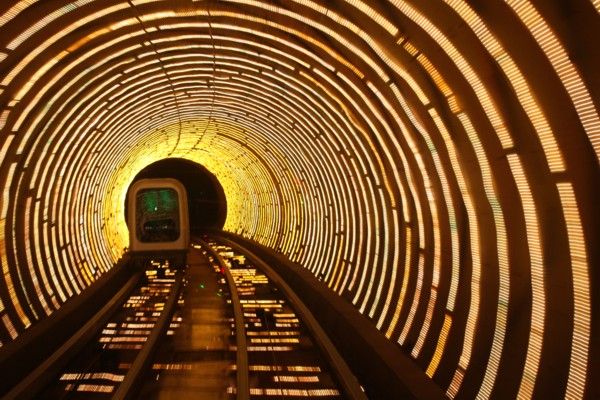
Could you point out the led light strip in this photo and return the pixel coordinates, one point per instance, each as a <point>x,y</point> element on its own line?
<point>318,131</point>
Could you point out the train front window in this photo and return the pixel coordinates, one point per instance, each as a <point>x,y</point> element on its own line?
<point>157,215</point>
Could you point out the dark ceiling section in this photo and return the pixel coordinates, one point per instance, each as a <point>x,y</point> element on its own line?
<point>206,199</point>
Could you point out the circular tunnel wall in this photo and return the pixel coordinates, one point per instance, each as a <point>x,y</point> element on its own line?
<point>434,163</point>
<point>207,206</point>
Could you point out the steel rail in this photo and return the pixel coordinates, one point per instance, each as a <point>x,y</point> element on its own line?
<point>243,384</point>
<point>144,358</point>
<point>35,381</point>
<point>347,380</point>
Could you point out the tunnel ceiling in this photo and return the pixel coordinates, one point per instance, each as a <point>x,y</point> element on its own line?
<point>433,162</point>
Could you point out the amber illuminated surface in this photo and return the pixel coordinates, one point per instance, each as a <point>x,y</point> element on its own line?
<point>435,163</point>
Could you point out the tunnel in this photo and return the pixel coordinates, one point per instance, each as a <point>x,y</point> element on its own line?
<point>434,164</point>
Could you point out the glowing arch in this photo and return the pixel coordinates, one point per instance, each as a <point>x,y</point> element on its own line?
<point>434,162</point>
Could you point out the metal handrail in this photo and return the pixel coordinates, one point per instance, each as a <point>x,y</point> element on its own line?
<point>243,385</point>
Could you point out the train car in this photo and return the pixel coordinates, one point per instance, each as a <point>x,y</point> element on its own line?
<point>158,220</point>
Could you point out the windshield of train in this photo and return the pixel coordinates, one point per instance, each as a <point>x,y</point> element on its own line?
<point>157,215</point>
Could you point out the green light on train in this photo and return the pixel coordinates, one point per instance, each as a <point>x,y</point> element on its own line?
<point>159,200</point>
<point>150,201</point>
<point>168,199</point>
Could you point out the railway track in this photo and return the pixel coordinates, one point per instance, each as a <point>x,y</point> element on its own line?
<point>224,327</point>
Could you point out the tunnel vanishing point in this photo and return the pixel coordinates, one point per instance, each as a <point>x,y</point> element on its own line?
<point>434,163</point>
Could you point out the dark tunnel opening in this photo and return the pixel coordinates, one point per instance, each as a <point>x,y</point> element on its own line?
<point>207,204</point>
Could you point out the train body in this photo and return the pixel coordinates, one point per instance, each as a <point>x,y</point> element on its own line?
<point>157,218</point>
